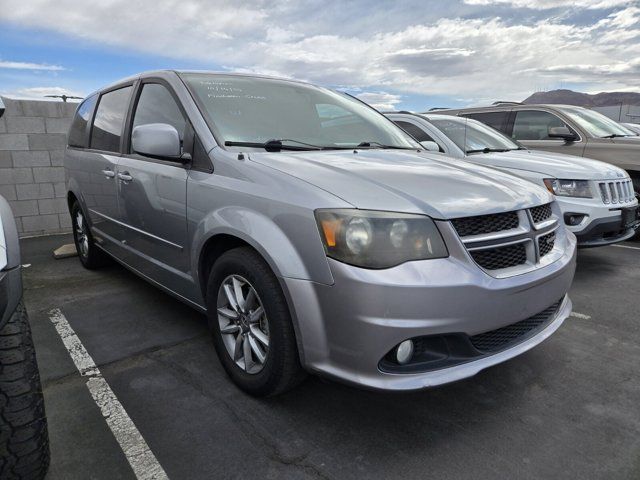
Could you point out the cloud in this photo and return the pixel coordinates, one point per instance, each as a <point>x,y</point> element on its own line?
<point>40,93</point>
<point>29,66</point>
<point>380,100</point>
<point>476,57</point>
<point>549,4</point>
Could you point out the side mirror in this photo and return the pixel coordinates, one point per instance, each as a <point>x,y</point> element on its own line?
<point>156,140</point>
<point>562,132</point>
<point>430,146</point>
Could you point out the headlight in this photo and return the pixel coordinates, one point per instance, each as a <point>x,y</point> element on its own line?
<point>568,188</point>
<point>374,239</point>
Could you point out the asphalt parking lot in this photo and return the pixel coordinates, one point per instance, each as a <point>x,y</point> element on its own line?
<point>567,409</point>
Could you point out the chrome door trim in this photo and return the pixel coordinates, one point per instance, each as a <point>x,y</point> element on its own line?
<point>150,235</point>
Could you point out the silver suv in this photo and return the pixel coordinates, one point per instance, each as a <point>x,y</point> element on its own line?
<point>565,129</point>
<point>315,234</point>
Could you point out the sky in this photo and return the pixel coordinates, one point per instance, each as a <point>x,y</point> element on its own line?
<point>402,55</point>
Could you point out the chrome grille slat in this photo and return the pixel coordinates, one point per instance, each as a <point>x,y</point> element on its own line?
<point>619,191</point>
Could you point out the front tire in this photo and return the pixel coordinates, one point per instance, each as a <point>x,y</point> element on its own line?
<point>90,255</point>
<point>24,441</point>
<point>251,324</point>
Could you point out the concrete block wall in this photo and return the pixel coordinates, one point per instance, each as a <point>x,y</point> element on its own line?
<point>33,135</point>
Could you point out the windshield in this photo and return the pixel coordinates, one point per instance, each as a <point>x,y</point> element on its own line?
<point>471,135</point>
<point>251,110</point>
<point>597,124</point>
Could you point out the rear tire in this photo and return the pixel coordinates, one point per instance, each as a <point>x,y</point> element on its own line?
<point>280,369</point>
<point>89,253</point>
<point>24,441</point>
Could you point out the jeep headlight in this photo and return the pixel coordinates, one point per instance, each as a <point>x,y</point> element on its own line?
<point>568,188</point>
<point>375,239</point>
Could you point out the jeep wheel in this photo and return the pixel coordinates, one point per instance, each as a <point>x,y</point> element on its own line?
<point>24,442</point>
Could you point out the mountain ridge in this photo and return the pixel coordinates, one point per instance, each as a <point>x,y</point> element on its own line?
<point>570,97</point>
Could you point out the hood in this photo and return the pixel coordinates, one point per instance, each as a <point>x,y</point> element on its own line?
<point>550,164</point>
<point>407,181</point>
<point>627,140</point>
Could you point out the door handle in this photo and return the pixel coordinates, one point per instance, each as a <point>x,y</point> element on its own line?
<point>109,173</point>
<point>124,176</point>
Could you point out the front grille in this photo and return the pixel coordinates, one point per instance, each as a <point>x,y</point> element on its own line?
<point>483,224</point>
<point>619,191</point>
<point>501,257</point>
<point>546,243</point>
<point>501,338</point>
<point>541,213</point>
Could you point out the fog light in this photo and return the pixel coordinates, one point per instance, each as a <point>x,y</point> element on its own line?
<point>404,352</point>
<point>573,219</point>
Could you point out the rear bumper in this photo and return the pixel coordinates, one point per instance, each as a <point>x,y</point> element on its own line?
<point>347,328</point>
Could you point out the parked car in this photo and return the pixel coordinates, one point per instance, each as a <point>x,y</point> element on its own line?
<point>597,199</point>
<point>315,234</point>
<point>24,443</point>
<point>564,129</point>
<point>634,127</point>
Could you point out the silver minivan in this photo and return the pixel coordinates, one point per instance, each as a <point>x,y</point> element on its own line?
<point>315,234</point>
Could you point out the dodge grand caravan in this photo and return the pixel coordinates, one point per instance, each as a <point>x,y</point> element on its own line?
<point>315,234</point>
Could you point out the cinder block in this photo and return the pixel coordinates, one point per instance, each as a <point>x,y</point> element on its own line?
<point>5,159</point>
<point>48,174</point>
<point>8,191</point>
<point>65,221</point>
<point>57,158</point>
<point>22,208</point>
<point>57,125</point>
<point>40,223</point>
<point>37,108</point>
<point>25,124</point>
<point>33,191</point>
<point>60,189</point>
<point>69,109</point>
<point>14,141</point>
<point>13,108</point>
<point>47,141</point>
<point>12,176</point>
<point>39,158</point>
<point>19,224</point>
<point>3,126</point>
<point>52,205</point>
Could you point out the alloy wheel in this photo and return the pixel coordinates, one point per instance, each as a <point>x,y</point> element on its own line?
<point>243,324</point>
<point>82,235</point>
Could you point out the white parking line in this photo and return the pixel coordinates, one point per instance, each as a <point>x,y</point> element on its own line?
<point>580,315</point>
<point>626,246</point>
<point>142,460</point>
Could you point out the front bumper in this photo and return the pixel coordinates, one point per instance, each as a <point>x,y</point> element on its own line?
<point>345,329</point>
<point>602,224</point>
<point>10,293</point>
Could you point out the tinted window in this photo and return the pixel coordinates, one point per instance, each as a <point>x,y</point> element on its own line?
<point>78,131</point>
<point>109,119</point>
<point>493,119</point>
<point>534,125</point>
<point>415,132</point>
<point>156,105</point>
<point>597,124</point>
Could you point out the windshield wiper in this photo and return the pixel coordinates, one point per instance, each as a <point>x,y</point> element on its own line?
<point>382,145</point>
<point>616,135</point>
<point>488,150</point>
<point>275,145</point>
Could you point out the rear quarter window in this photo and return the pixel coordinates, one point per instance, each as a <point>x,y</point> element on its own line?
<point>78,130</point>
